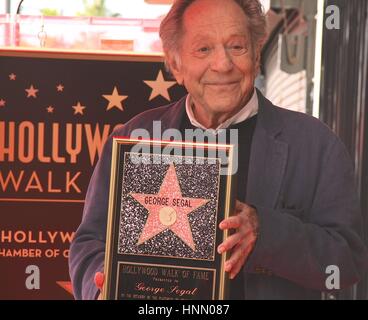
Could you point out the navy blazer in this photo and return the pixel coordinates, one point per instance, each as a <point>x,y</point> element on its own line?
<point>301,182</point>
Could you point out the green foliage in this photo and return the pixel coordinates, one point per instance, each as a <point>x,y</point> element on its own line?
<point>96,9</point>
<point>50,12</point>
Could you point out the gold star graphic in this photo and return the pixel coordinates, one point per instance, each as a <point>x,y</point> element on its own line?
<point>78,108</point>
<point>60,88</point>
<point>114,100</point>
<point>2,103</point>
<point>160,87</point>
<point>31,92</point>
<point>12,76</point>
<point>50,109</point>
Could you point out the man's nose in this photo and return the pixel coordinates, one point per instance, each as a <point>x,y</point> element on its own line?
<point>221,60</point>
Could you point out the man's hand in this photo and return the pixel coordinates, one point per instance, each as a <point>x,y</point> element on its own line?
<point>242,242</point>
<point>99,281</point>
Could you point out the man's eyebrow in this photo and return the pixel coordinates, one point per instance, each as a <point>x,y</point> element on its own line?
<point>239,35</point>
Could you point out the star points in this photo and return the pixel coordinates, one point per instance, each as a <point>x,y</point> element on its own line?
<point>2,103</point>
<point>114,100</point>
<point>60,88</point>
<point>78,109</point>
<point>32,92</point>
<point>50,109</point>
<point>160,87</point>
<point>12,77</point>
<point>66,285</point>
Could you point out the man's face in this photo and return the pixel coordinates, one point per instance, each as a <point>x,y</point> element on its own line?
<point>217,65</point>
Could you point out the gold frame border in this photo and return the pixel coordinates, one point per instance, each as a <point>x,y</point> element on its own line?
<point>229,207</point>
<point>111,209</point>
<point>228,204</point>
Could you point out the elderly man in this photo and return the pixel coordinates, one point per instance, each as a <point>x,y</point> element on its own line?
<point>297,212</point>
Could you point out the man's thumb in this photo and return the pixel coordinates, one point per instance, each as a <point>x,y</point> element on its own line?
<point>99,280</point>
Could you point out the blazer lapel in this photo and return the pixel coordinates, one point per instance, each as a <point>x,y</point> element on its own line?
<point>268,157</point>
<point>173,117</point>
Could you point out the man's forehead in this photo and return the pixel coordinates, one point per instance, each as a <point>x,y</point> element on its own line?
<point>214,17</point>
<point>208,30</point>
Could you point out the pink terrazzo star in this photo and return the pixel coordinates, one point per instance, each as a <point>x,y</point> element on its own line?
<point>168,209</point>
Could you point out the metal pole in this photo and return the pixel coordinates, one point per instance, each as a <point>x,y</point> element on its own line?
<point>7,6</point>
<point>318,59</point>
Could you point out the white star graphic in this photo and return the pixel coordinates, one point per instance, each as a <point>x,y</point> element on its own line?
<point>12,76</point>
<point>78,108</point>
<point>31,92</point>
<point>160,87</point>
<point>114,100</point>
<point>2,103</point>
<point>60,88</point>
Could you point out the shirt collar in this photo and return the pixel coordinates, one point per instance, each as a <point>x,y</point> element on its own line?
<point>248,111</point>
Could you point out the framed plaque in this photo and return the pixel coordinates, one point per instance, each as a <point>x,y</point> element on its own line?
<point>166,202</point>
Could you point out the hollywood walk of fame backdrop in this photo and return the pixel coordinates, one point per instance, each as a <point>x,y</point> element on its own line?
<point>56,111</point>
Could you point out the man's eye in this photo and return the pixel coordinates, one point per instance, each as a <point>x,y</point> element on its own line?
<point>238,49</point>
<point>202,52</point>
<point>204,49</point>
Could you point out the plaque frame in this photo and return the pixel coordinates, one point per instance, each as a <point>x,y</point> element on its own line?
<point>114,260</point>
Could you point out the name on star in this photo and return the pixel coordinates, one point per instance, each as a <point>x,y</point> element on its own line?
<point>166,201</point>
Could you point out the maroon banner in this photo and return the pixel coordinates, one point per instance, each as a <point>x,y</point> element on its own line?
<point>56,112</point>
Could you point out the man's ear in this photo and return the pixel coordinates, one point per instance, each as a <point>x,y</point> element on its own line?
<point>175,68</point>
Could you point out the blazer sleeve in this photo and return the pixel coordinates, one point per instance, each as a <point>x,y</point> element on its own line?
<point>300,250</point>
<point>87,251</point>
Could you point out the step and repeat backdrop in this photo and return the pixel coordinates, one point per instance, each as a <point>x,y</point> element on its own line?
<point>56,112</point>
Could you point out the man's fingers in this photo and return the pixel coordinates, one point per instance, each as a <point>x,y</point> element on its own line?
<point>239,264</point>
<point>239,255</point>
<point>235,239</point>
<point>236,268</point>
<point>236,255</point>
<point>242,242</point>
<point>233,222</point>
<point>99,280</point>
<point>230,242</point>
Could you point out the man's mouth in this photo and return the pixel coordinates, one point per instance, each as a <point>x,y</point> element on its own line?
<point>223,85</point>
